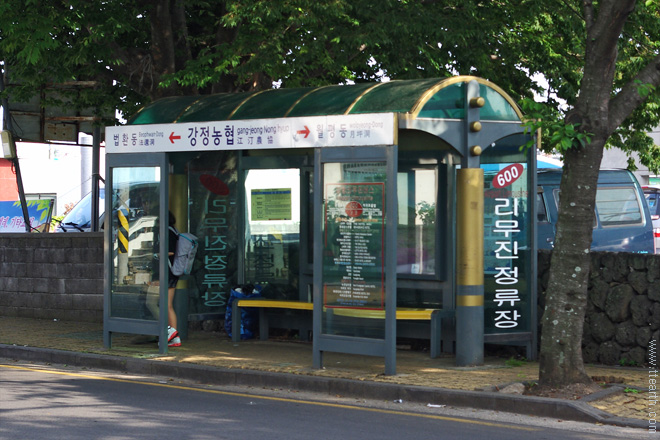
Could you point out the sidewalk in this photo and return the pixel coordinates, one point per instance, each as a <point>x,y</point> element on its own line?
<point>212,357</point>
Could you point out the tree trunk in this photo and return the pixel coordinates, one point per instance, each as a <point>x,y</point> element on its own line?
<point>566,296</point>
<point>561,360</point>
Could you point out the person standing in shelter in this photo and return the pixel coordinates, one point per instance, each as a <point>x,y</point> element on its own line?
<point>173,339</point>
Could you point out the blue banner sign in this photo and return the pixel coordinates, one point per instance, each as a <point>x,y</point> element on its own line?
<point>39,211</point>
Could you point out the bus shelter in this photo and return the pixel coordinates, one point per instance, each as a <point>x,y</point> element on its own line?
<point>366,201</point>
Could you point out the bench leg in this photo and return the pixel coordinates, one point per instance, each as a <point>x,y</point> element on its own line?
<point>303,333</point>
<point>531,356</point>
<point>263,324</point>
<point>436,335</point>
<point>235,322</point>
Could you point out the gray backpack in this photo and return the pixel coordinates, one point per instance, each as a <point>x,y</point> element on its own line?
<point>184,257</point>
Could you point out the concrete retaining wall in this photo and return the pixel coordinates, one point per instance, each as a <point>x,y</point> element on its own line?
<point>52,276</point>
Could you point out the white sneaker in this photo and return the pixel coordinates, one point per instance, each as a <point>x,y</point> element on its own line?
<point>171,333</point>
<point>176,342</point>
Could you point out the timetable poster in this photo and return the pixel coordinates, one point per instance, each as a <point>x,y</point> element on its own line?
<point>354,242</point>
<point>271,204</point>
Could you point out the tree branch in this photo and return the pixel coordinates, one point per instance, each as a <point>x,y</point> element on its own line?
<point>606,29</point>
<point>569,5</point>
<point>600,60</point>
<point>629,98</point>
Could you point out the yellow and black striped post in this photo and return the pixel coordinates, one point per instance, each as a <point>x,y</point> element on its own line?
<point>470,267</point>
<point>122,233</point>
<point>122,247</point>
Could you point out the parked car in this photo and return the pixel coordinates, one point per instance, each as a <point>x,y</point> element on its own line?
<point>131,200</point>
<point>652,194</point>
<point>622,221</point>
<point>79,219</point>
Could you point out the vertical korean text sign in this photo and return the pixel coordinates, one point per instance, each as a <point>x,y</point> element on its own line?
<point>507,249</point>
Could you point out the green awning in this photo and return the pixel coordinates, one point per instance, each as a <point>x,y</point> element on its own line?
<point>422,99</point>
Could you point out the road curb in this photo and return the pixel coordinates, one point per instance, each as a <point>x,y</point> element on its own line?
<point>528,405</point>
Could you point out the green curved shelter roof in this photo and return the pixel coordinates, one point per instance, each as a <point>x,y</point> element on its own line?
<point>422,99</point>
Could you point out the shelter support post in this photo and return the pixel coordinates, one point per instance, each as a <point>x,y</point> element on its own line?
<point>96,177</point>
<point>470,267</point>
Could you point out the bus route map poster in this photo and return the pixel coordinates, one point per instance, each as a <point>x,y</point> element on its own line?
<point>354,244</point>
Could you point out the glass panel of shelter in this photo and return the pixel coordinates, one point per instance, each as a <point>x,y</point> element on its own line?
<point>353,228</point>
<point>417,193</point>
<point>277,245</point>
<point>213,216</point>
<point>272,231</point>
<point>251,218</point>
<point>136,282</point>
<point>135,202</point>
<point>424,245</point>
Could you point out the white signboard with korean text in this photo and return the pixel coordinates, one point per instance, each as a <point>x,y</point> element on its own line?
<point>507,257</point>
<point>303,132</point>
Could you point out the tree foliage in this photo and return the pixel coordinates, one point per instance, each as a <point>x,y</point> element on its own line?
<point>598,60</point>
<point>141,50</point>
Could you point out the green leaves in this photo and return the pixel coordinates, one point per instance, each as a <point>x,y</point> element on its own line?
<point>644,89</point>
<point>556,134</point>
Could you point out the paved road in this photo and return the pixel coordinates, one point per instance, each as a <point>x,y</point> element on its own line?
<point>47,402</point>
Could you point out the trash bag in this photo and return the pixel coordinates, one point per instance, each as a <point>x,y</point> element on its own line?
<point>249,316</point>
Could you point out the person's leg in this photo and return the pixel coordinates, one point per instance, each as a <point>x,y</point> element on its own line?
<point>171,314</point>
<point>172,333</point>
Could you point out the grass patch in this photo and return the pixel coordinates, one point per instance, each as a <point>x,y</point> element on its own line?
<point>513,362</point>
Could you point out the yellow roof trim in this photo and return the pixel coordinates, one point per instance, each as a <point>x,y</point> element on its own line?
<point>303,97</point>
<point>354,103</point>
<point>231,115</point>
<point>186,109</point>
<point>417,107</point>
<point>504,94</point>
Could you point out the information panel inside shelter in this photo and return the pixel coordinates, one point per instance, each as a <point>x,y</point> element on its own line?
<point>354,244</point>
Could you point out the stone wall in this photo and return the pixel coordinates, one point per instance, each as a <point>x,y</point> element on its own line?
<point>623,309</point>
<point>52,276</point>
